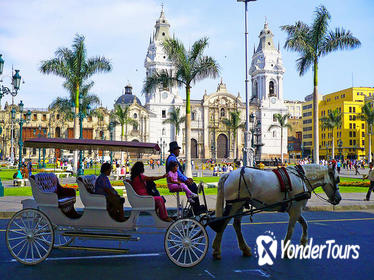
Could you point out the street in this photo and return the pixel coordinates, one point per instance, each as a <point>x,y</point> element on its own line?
<point>147,258</point>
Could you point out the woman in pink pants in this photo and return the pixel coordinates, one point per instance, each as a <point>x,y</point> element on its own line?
<point>138,182</point>
<point>175,185</point>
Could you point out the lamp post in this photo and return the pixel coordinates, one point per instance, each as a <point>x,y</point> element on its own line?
<point>20,121</point>
<point>40,134</point>
<point>111,129</point>
<point>246,133</point>
<point>81,116</point>
<point>16,82</point>
<point>102,152</point>
<point>340,144</point>
<point>252,120</point>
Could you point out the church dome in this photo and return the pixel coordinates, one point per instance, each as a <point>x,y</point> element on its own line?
<point>127,98</point>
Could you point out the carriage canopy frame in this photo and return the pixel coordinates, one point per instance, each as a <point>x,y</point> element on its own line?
<point>92,144</point>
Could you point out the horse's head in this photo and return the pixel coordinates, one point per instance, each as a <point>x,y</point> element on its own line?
<point>331,187</point>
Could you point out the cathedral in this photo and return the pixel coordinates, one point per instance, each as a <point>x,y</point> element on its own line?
<point>210,137</point>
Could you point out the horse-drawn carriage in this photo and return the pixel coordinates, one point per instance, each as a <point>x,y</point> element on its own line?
<point>42,225</point>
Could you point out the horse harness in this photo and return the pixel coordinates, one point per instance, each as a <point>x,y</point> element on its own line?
<point>286,187</point>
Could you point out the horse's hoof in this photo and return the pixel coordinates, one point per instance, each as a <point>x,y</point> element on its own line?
<point>217,256</point>
<point>247,252</point>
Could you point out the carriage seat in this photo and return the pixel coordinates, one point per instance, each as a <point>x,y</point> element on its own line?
<point>139,202</point>
<point>47,183</point>
<point>87,194</point>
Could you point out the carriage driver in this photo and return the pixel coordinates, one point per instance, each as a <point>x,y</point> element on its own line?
<point>114,201</point>
<point>173,157</point>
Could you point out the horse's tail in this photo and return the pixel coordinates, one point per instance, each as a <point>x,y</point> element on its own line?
<point>220,195</point>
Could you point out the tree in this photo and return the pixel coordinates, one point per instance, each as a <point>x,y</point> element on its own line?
<point>314,42</point>
<point>121,115</point>
<point>190,66</point>
<point>234,123</point>
<point>368,116</point>
<point>74,66</point>
<point>176,120</point>
<point>282,123</point>
<point>63,104</point>
<point>333,119</point>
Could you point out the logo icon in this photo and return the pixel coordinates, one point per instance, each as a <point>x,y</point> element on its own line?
<point>266,248</point>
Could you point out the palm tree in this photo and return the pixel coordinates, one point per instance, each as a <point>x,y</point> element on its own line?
<point>176,120</point>
<point>314,42</point>
<point>368,116</point>
<point>333,119</point>
<point>63,104</point>
<point>121,115</point>
<point>282,123</point>
<point>234,123</point>
<point>74,66</point>
<point>190,66</point>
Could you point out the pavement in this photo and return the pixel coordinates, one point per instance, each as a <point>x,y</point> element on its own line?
<point>147,259</point>
<point>350,201</point>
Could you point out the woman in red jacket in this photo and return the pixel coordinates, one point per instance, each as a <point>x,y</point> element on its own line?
<point>138,182</point>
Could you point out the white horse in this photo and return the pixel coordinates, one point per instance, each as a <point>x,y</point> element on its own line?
<point>263,186</point>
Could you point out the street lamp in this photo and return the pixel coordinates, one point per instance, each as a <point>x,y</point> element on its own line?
<point>81,116</point>
<point>340,144</point>
<point>40,134</point>
<point>111,129</point>
<point>252,120</point>
<point>245,150</point>
<point>20,121</point>
<point>16,82</point>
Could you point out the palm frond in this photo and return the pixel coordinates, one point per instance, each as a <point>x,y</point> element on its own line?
<point>198,49</point>
<point>206,67</point>
<point>175,51</point>
<point>304,63</point>
<point>339,39</point>
<point>274,126</point>
<point>97,65</point>
<point>320,26</point>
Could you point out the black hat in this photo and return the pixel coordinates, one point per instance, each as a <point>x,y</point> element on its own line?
<point>173,145</point>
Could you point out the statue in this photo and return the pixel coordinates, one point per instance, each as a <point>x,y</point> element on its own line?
<point>251,157</point>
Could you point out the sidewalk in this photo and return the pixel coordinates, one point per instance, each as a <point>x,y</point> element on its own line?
<point>350,201</point>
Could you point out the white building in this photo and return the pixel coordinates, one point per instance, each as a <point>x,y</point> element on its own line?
<point>267,94</point>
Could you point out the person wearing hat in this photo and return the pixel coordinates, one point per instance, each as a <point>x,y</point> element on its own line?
<point>174,150</point>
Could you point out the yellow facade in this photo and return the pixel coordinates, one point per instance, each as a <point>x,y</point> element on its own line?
<point>352,131</point>
<point>308,142</point>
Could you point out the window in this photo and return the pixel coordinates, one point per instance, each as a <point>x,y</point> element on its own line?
<point>163,131</point>
<point>135,127</point>
<point>350,109</point>
<point>193,115</point>
<point>363,142</point>
<point>350,126</point>
<point>33,151</point>
<point>307,121</point>
<point>223,113</point>
<point>163,114</point>
<point>44,117</point>
<point>354,117</point>
<point>354,126</point>
<point>354,141</point>
<point>308,136</point>
<point>350,134</point>
<point>34,117</point>
<point>354,109</point>
<point>255,86</point>
<point>274,134</point>
<point>306,107</point>
<point>363,134</point>
<point>271,88</point>
<point>350,117</point>
<point>354,133</point>
<point>135,115</point>
<point>89,118</point>
<point>350,142</point>
<point>57,116</point>
<point>363,126</point>
<point>307,114</point>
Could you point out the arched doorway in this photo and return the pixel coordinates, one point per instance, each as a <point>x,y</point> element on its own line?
<point>58,132</point>
<point>194,148</point>
<point>222,146</point>
<point>135,155</point>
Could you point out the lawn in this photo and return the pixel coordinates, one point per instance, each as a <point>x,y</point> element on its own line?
<point>26,191</point>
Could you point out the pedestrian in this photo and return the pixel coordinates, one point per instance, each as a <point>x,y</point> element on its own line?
<point>370,176</point>
<point>338,166</point>
<point>356,168</point>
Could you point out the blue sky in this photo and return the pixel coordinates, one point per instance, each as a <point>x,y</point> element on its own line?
<point>31,31</point>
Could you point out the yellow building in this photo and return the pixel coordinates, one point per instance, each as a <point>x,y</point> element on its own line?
<point>307,117</point>
<point>351,134</point>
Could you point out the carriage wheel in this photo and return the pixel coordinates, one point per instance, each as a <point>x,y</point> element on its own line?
<point>61,240</point>
<point>186,242</point>
<point>29,236</point>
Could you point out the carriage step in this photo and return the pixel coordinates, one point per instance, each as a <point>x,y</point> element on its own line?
<point>99,249</point>
<point>101,236</point>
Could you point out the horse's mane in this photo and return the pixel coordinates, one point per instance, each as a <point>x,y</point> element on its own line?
<point>314,171</point>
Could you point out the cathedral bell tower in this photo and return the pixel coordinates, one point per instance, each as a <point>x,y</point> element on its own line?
<point>267,93</point>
